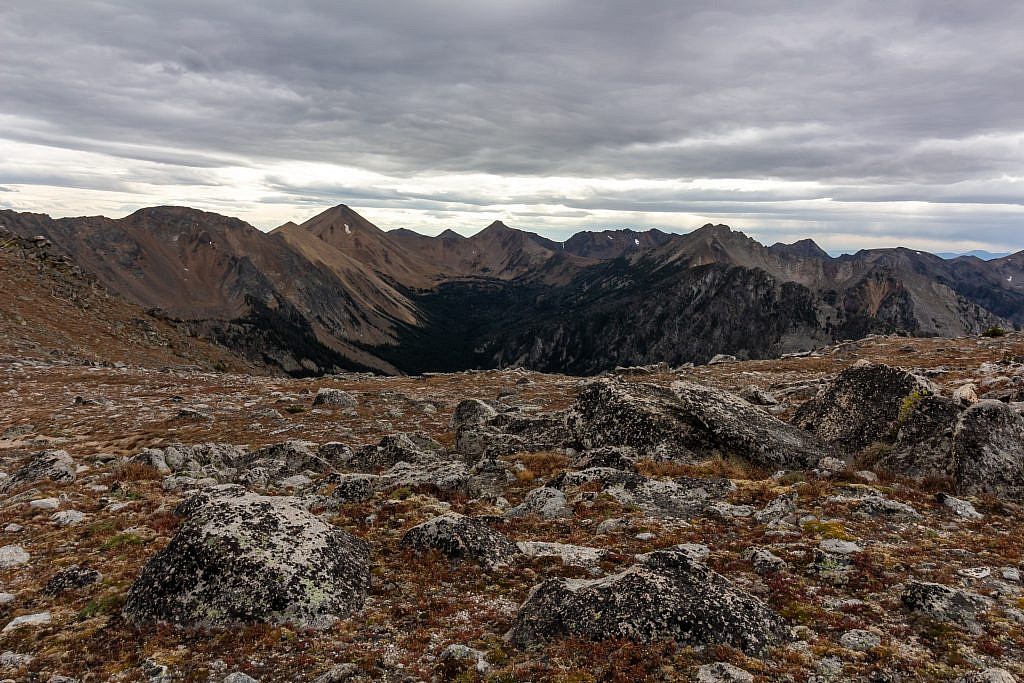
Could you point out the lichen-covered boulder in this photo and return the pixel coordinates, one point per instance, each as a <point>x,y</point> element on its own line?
<point>459,537</point>
<point>469,412</point>
<point>243,558</point>
<point>943,603</point>
<point>733,426</point>
<point>862,405</point>
<point>988,450</point>
<point>45,466</point>
<point>511,432</point>
<point>666,596</point>
<point>924,441</point>
<point>334,398</point>
<point>610,412</point>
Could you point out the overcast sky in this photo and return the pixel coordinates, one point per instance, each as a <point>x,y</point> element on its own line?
<point>856,123</point>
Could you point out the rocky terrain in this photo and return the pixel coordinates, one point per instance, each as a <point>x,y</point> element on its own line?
<point>851,514</point>
<point>336,293</point>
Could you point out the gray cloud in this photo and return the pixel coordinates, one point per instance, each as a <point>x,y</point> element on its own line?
<point>877,102</point>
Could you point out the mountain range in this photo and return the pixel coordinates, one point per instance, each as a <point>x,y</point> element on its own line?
<point>338,293</point>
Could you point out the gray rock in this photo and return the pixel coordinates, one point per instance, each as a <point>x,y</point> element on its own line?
<point>339,673</point>
<point>988,450</point>
<point>764,561</point>
<point>609,412</point>
<point>924,442</point>
<point>67,517</point>
<point>839,547</point>
<point>723,672</point>
<point>335,398</point>
<point>38,619</point>
<point>69,579</point>
<point>959,507</point>
<point>681,497</point>
<point>722,358</point>
<point>394,449</point>
<point>243,558</point>
<point>12,556</point>
<point>859,640</point>
<point>861,405</point>
<point>879,506</point>
<point>731,425</point>
<point>943,603</point>
<point>666,596</point>
<point>238,676</point>
<point>757,396</point>
<point>544,502</point>
<point>459,537</point>
<point>988,676</point>
<point>55,466</point>
<point>777,510</point>
<point>470,413</point>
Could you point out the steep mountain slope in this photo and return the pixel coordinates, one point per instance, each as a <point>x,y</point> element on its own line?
<point>54,310</point>
<point>243,288</point>
<point>609,244</point>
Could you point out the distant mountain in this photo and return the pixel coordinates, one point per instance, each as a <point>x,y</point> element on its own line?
<point>977,253</point>
<point>336,292</point>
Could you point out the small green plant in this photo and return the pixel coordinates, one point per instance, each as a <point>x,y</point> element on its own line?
<point>294,409</point>
<point>994,332</point>
<point>121,541</point>
<point>105,605</point>
<point>907,408</point>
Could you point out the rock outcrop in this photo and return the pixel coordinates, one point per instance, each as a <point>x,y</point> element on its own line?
<point>459,537</point>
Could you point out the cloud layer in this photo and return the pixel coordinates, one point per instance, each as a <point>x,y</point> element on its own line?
<point>857,123</point>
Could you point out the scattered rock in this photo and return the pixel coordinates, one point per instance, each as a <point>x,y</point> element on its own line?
<point>459,537</point>
<point>988,676</point>
<point>12,556</point>
<point>544,502</point>
<point>988,450</point>
<point>859,640</point>
<point>959,507</point>
<point>38,619</point>
<point>722,672</point>
<point>336,398</point>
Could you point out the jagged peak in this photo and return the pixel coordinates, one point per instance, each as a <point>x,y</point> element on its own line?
<point>449,234</point>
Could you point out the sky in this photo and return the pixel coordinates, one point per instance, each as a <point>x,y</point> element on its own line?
<point>858,124</point>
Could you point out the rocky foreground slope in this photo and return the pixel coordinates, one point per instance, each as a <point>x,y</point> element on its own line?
<point>849,515</point>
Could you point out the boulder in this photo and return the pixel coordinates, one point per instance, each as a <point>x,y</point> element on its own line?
<point>988,450</point>
<point>648,418</point>
<point>394,449</point>
<point>45,466</point>
<point>459,537</point>
<point>667,595</point>
<point>335,398</point>
<point>471,412</point>
<point>733,426</point>
<point>942,603</point>
<point>544,502</point>
<point>924,440</point>
<point>243,558</point>
<point>862,405</point>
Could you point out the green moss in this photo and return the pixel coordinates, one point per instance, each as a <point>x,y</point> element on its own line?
<point>121,541</point>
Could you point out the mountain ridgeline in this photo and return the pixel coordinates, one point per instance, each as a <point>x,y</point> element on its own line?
<point>338,293</point>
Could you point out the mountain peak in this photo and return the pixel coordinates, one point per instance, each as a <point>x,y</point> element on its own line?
<point>805,248</point>
<point>449,234</point>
